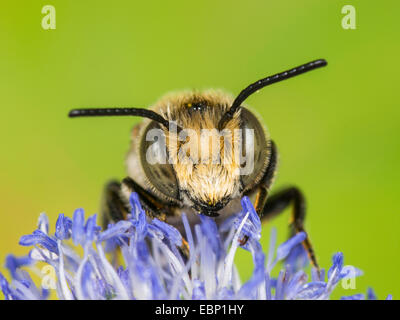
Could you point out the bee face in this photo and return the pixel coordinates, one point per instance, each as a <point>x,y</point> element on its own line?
<point>204,169</point>
<point>206,181</point>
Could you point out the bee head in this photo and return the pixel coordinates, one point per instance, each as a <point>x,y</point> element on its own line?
<point>206,170</point>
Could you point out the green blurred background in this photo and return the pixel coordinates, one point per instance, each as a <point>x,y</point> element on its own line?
<point>337,128</point>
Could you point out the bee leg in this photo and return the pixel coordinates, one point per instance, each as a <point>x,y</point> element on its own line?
<point>154,209</point>
<point>184,249</point>
<point>275,204</point>
<point>112,208</point>
<point>115,204</point>
<point>278,202</point>
<point>264,186</point>
<point>267,180</point>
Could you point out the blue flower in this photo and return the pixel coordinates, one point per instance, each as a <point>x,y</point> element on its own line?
<point>13,264</point>
<point>38,237</point>
<point>146,261</point>
<point>63,227</point>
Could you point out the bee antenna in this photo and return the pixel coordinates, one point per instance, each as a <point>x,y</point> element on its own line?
<point>105,112</point>
<point>249,90</point>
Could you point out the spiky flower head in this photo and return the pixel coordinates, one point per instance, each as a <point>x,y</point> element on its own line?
<point>139,258</point>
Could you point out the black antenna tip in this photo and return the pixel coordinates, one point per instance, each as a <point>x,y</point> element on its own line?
<point>91,112</point>
<point>74,113</point>
<point>321,62</point>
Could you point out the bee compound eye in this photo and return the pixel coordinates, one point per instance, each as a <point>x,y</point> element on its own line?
<point>155,163</point>
<point>255,149</point>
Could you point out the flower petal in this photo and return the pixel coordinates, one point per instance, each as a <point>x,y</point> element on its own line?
<point>285,248</point>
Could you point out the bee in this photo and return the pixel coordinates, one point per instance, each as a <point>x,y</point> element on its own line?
<point>212,188</point>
